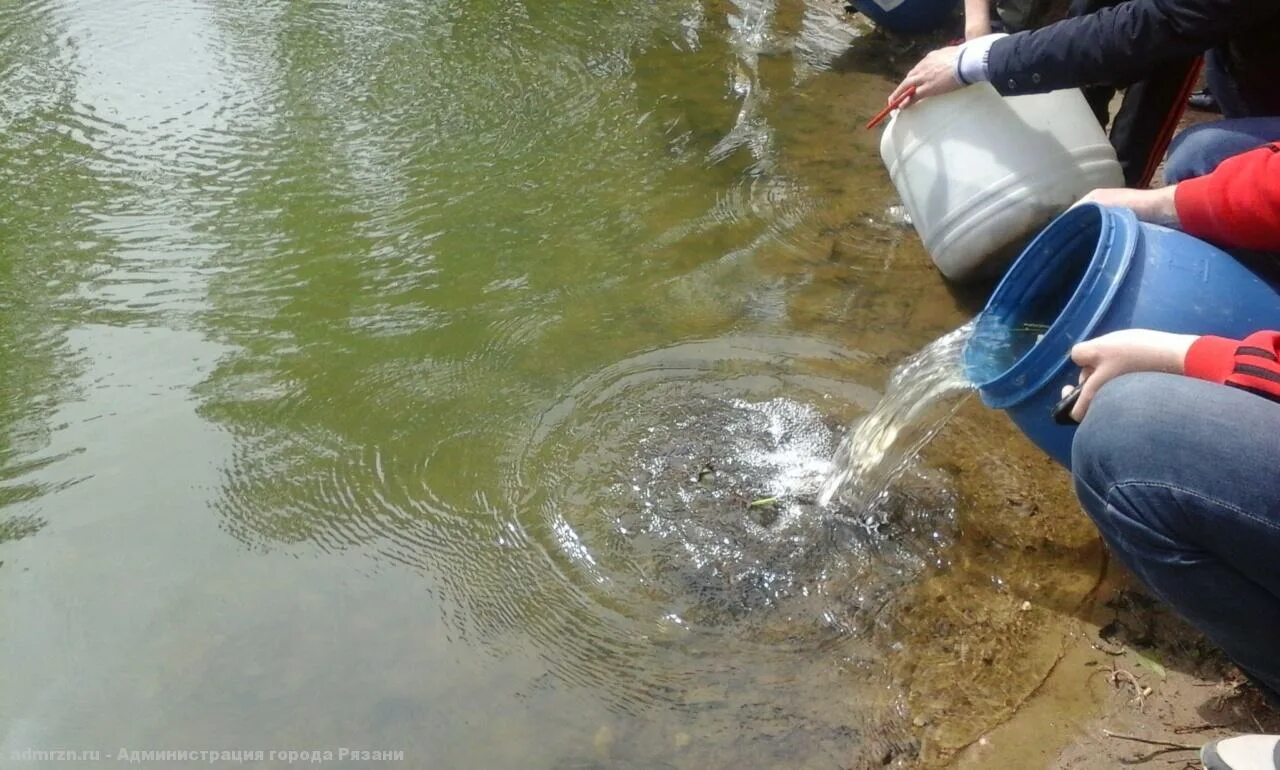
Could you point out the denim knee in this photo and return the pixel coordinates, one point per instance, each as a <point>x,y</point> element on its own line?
<point>1115,425</point>
<point>1195,152</point>
<point>1178,475</point>
<point>1198,150</point>
<point>1128,417</point>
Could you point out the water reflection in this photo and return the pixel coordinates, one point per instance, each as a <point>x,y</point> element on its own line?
<point>418,354</point>
<point>465,273</point>
<point>47,248</point>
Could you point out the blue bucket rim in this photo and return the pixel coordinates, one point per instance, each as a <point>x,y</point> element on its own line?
<point>1117,242</point>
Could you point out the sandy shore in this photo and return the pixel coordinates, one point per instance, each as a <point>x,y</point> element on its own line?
<point>1134,687</point>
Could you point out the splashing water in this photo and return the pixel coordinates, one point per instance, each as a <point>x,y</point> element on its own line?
<point>878,449</point>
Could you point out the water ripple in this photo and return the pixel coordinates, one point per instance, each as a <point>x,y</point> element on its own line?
<point>419,228</point>
<point>621,526</point>
<point>688,448</point>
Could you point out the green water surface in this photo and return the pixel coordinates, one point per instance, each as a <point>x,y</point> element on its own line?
<point>397,375</point>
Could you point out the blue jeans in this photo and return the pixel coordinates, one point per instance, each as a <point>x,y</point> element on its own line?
<point>1198,150</point>
<point>1182,478</point>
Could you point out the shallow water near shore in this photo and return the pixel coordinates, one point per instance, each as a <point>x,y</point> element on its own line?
<point>458,379</point>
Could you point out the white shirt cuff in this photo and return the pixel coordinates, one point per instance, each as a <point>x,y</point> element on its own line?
<point>971,62</point>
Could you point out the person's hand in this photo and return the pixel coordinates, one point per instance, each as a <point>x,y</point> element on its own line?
<point>1155,206</point>
<point>1132,350</point>
<point>935,74</point>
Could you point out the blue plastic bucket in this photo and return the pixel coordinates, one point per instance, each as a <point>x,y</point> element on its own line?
<point>907,17</point>
<point>1095,270</point>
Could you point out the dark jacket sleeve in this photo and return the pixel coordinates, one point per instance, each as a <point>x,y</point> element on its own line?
<point>1121,44</point>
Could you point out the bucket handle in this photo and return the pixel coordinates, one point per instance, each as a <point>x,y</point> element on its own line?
<point>890,107</point>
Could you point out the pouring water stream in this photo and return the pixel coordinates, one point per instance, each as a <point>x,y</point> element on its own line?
<point>877,449</point>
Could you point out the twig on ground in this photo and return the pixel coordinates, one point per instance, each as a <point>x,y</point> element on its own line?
<point>1201,728</point>
<point>1165,747</point>
<point>1150,741</point>
<point>1143,759</point>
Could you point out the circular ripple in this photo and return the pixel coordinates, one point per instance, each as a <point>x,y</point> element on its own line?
<point>678,487</point>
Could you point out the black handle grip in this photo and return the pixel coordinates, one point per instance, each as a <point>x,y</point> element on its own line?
<point>1062,410</point>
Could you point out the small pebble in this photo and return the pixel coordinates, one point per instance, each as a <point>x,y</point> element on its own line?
<point>1026,606</point>
<point>682,740</point>
<point>603,741</point>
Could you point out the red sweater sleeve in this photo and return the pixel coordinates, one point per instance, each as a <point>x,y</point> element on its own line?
<point>1238,205</point>
<point>1252,364</point>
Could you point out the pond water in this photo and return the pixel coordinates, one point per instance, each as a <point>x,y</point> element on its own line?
<point>456,378</point>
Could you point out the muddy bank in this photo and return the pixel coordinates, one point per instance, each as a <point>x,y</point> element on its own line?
<point>1135,687</point>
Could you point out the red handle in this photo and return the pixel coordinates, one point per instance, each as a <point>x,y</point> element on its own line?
<point>890,107</point>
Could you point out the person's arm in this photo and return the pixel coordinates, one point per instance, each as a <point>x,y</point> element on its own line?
<point>1154,206</point>
<point>1238,205</point>
<point>977,18</point>
<point>1120,44</point>
<point>1250,364</point>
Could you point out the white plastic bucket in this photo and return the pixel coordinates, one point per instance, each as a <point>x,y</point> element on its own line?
<point>979,172</point>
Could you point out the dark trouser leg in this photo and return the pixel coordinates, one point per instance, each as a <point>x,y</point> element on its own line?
<point>1140,129</point>
<point>1148,105</point>
<point>1180,476</point>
